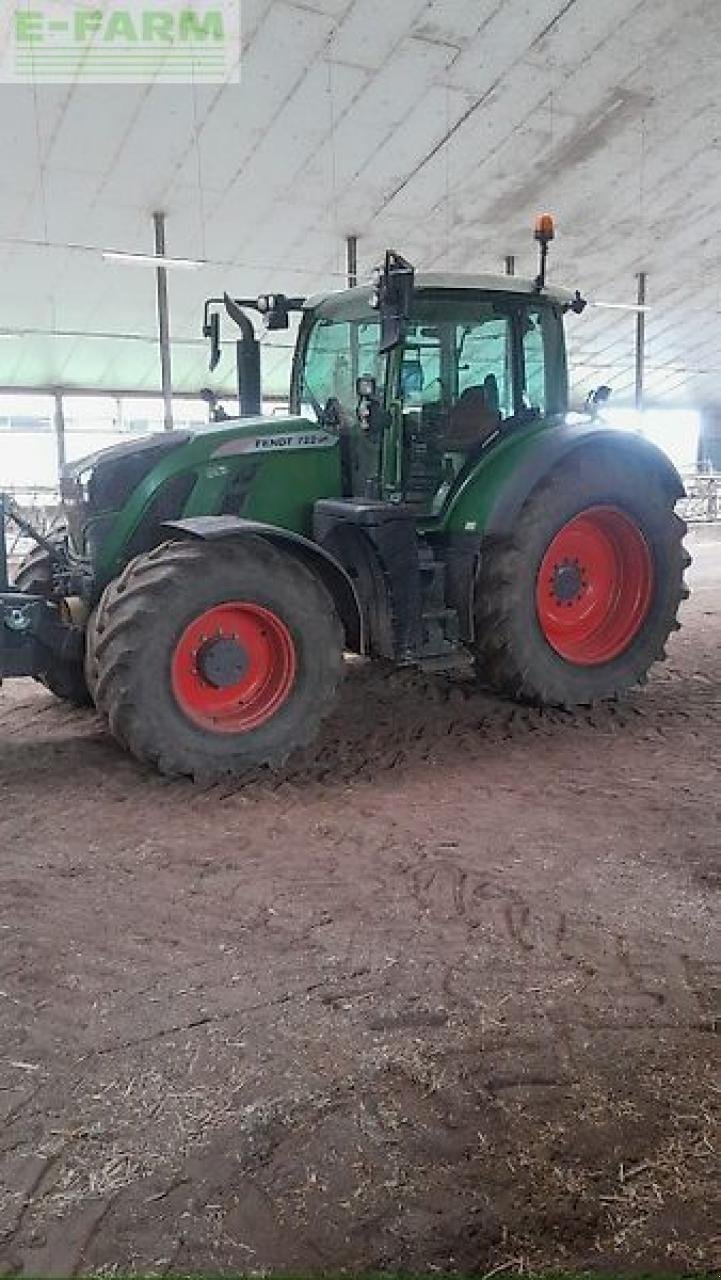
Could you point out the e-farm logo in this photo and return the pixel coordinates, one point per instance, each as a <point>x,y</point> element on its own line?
<point>53,41</point>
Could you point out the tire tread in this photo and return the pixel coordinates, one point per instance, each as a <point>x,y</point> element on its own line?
<point>126,611</point>
<point>499,657</point>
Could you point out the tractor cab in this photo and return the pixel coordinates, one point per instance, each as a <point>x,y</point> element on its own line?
<point>475,357</point>
<point>415,375</point>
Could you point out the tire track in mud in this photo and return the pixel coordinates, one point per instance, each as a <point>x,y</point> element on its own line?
<point>624,977</point>
<point>387,721</point>
<point>427,991</point>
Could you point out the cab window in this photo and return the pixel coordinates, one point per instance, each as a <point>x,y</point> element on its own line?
<point>535,395</point>
<point>484,360</point>
<point>339,352</point>
<point>472,364</point>
<point>457,387</point>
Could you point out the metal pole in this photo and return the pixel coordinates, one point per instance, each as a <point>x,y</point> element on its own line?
<point>4,573</point>
<point>59,424</point>
<point>510,265</point>
<point>351,257</point>
<point>161,275</point>
<point>640,340</point>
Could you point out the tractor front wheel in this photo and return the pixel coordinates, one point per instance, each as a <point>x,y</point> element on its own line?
<point>579,602</point>
<point>65,679</point>
<point>209,658</point>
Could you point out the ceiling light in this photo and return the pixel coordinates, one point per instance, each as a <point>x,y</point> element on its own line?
<point>152,259</point>
<point>623,306</point>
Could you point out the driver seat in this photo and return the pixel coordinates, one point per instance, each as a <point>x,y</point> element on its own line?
<point>474,417</point>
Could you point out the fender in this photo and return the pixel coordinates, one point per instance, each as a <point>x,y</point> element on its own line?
<point>321,562</point>
<point>490,499</point>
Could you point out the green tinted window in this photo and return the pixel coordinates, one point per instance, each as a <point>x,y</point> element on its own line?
<point>421,377</point>
<point>483,357</point>
<point>338,353</point>
<point>534,362</point>
<point>458,345</point>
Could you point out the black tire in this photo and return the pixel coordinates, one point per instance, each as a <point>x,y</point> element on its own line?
<point>141,619</point>
<point>90,664</point>
<point>513,654</point>
<point>34,575</point>
<point>65,679</point>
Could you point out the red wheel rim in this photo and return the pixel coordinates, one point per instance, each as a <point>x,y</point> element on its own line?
<point>594,586</point>
<point>233,667</point>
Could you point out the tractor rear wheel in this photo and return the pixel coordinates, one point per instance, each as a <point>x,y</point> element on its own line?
<point>579,602</point>
<point>210,658</point>
<point>65,679</point>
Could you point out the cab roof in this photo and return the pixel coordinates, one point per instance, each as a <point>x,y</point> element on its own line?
<point>346,300</point>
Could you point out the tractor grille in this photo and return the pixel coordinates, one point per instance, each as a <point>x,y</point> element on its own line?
<point>96,488</point>
<point>113,479</point>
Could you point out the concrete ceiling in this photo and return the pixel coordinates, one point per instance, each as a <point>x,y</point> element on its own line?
<point>438,126</point>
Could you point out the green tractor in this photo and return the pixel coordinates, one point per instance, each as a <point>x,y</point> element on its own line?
<point>426,501</point>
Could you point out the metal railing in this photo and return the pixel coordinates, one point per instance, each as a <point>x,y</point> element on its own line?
<point>41,506</point>
<point>702,504</point>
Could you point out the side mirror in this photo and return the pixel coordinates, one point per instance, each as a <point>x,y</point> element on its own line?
<point>392,298</point>
<point>211,330</point>
<point>596,400</point>
<point>601,395</point>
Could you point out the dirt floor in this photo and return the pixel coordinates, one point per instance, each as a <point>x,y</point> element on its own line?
<point>446,996</point>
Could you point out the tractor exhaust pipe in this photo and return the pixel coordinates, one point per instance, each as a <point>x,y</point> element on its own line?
<point>248,361</point>
<point>275,309</point>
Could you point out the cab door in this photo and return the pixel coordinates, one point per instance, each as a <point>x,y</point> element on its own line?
<point>459,377</point>
<point>333,355</point>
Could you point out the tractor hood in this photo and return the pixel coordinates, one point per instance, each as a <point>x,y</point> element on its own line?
<point>135,458</point>
<point>148,449</point>
<point>120,497</point>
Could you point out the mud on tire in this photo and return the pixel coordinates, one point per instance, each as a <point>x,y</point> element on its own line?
<point>141,621</point>
<point>513,654</point>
